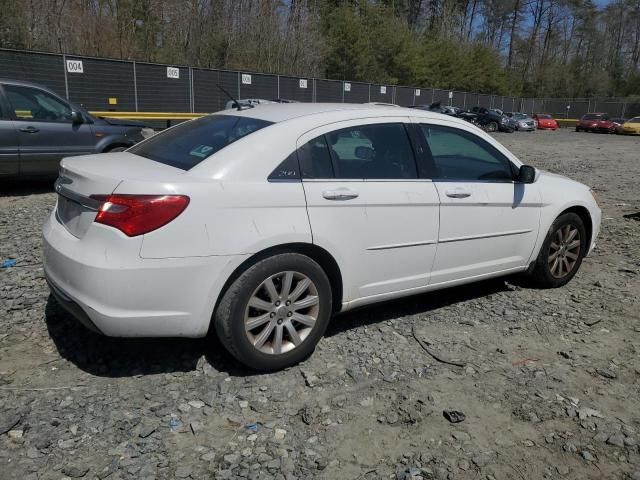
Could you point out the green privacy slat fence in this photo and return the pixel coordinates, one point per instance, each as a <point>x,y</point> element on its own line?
<point>148,87</point>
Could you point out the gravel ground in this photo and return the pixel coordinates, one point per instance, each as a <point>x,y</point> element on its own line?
<point>550,388</point>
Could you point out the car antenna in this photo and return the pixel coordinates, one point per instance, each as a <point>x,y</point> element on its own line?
<point>235,102</point>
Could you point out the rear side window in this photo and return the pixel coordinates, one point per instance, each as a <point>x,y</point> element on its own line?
<point>458,155</point>
<point>315,159</point>
<point>189,143</point>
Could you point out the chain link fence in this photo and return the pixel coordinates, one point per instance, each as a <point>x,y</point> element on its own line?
<point>126,86</point>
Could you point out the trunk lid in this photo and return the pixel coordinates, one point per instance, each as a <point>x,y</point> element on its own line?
<point>83,176</point>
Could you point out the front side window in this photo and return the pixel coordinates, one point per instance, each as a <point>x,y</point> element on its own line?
<point>379,151</point>
<point>458,155</point>
<point>189,143</point>
<point>33,104</point>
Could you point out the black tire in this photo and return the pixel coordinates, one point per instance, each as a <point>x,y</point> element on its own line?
<point>492,127</point>
<point>578,130</point>
<point>229,318</point>
<point>542,274</point>
<point>115,149</point>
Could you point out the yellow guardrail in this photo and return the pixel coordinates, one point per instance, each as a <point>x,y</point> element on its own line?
<point>566,122</point>
<point>148,115</point>
<point>168,116</point>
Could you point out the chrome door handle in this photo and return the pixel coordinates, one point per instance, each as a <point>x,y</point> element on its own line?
<point>458,193</point>
<point>341,194</point>
<point>30,129</point>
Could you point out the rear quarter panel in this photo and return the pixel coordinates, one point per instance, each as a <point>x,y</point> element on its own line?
<point>234,209</point>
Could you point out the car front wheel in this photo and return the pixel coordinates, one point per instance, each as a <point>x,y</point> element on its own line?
<point>492,127</point>
<point>273,315</point>
<point>562,252</point>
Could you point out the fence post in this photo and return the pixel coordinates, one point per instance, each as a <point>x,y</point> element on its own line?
<point>369,85</point>
<point>278,78</point>
<point>313,92</point>
<point>135,86</point>
<point>191,93</point>
<point>66,82</point>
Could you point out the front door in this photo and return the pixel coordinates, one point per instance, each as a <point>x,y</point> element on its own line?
<point>45,130</point>
<point>368,205</point>
<point>488,222</point>
<point>9,164</point>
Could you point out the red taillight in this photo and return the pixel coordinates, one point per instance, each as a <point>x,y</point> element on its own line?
<point>139,214</point>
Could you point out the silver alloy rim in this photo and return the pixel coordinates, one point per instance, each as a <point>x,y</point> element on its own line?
<point>564,251</point>
<point>281,312</point>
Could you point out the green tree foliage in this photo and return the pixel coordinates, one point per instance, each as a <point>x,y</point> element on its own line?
<point>519,47</point>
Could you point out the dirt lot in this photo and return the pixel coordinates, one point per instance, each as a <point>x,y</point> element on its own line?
<point>550,389</point>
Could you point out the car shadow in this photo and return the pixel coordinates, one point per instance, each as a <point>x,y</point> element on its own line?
<point>23,188</point>
<point>127,357</point>
<point>415,304</point>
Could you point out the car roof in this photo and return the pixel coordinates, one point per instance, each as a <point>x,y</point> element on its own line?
<point>282,112</point>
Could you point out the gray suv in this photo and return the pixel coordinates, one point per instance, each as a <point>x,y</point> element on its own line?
<point>38,128</point>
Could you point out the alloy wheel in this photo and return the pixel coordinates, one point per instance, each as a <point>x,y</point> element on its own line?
<point>564,251</point>
<point>281,312</point>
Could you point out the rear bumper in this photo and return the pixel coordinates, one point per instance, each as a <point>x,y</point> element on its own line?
<point>71,307</point>
<point>117,293</point>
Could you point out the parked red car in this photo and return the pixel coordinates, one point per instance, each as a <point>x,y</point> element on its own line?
<point>609,126</point>
<point>545,121</point>
<point>590,122</point>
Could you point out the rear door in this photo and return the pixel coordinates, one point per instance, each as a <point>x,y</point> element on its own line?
<point>369,206</point>
<point>488,222</point>
<point>45,131</point>
<point>9,157</point>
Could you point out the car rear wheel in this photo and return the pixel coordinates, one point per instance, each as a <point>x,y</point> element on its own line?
<point>492,127</point>
<point>273,315</point>
<point>562,252</point>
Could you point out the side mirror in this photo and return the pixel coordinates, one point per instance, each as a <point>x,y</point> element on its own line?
<point>76,117</point>
<point>526,174</point>
<point>364,153</point>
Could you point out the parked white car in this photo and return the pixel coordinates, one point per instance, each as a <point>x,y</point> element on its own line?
<point>264,222</point>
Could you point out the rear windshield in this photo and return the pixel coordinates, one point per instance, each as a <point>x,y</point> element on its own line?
<point>189,143</point>
<point>592,117</point>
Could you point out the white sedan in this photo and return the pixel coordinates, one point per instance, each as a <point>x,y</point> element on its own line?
<point>263,223</point>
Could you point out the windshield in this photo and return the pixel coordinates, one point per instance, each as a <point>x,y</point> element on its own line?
<point>189,143</point>
<point>520,116</point>
<point>544,117</point>
<point>592,116</point>
<point>634,120</point>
